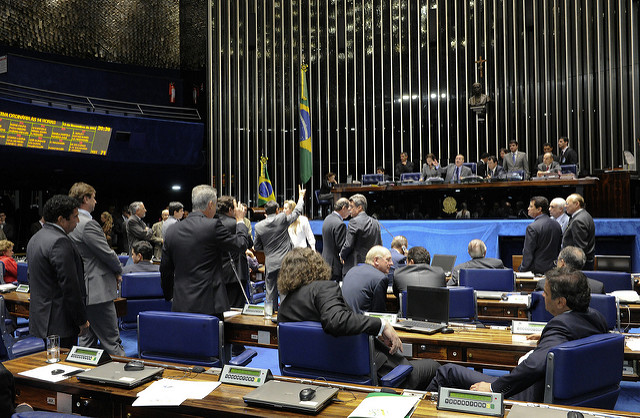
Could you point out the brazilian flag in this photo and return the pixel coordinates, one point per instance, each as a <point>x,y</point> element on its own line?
<point>306,160</point>
<point>265,190</point>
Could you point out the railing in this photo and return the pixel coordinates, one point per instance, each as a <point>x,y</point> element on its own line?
<point>94,104</point>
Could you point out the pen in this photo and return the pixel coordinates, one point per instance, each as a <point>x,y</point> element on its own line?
<point>73,373</point>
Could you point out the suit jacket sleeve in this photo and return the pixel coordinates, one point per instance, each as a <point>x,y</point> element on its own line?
<point>167,269</point>
<point>7,392</point>
<point>580,231</point>
<point>340,234</point>
<point>379,302</point>
<point>349,241</point>
<point>95,240</point>
<point>64,263</point>
<point>137,230</point>
<point>337,318</point>
<point>530,240</point>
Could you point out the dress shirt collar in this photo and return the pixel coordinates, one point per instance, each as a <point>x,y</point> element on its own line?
<point>337,213</point>
<point>56,226</point>
<point>85,212</point>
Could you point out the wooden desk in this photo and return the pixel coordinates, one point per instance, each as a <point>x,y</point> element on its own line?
<point>18,304</point>
<point>492,310</point>
<point>107,401</point>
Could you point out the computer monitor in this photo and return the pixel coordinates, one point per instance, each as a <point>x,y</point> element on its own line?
<point>409,177</point>
<point>428,304</point>
<point>372,179</point>
<point>444,261</point>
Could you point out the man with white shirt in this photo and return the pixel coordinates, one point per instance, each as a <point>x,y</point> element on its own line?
<point>556,210</point>
<point>176,211</point>
<point>565,154</point>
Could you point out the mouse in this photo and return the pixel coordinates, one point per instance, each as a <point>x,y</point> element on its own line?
<point>447,330</point>
<point>307,394</point>
<point>134,366</point>
<point>574,414</point>
<point>504,296</point>
<point>57,371</point>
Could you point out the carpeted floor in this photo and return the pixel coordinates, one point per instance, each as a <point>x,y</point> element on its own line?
<point>267,358</point>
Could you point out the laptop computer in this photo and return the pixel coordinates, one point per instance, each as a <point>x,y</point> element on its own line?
<point>114,374</point>
<point>427,310</point>
<point>286,395</point>
<point>444,261</point>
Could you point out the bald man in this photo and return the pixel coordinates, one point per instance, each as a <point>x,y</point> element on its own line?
<point>364,287</point>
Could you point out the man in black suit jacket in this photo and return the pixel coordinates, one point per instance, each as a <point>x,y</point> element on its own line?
<point>137,230</point>
<point>581,230</point>
<point>334,232</point>
<point>574,258</point>
<point>418,272</point>
<point>481,169</point>
<point>120,230</point>
<point>311,296</point>
<point>192,256</point>
<point>56,275</point>
<point>566,297</point>
<point>363,233</point>
<point>494,170</point>
<point>542,240</point>
<point>477,250</point>
<point>566,155</point>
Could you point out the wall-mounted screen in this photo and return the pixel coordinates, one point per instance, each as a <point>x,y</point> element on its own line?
<point>46,134</point>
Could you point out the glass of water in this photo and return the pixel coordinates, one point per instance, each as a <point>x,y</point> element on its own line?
<point>53,348</point>
<point>268,310</point>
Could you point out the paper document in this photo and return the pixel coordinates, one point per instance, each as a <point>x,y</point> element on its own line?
<point>385,405</point>
<point>633,343</point>
<point>45,372</point>
<point>169,392</point>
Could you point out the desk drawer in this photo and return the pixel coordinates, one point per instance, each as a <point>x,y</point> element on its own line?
<point>502,312</point>
<point>47,400</point>
<point>252,337</point>
<point>502,357</point>
<point>435,352</point>
<point>38,398</point>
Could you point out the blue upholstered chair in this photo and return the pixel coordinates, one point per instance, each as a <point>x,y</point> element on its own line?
<point>410,177</point>
<point>123,259</point>
<point>585,372</point>
<point>569,169</point>
<point>23,271</point>
<point>463,303</point>
<point>607,305</point>
<point>143,293</point>
<point>322,203</point>
<point>612,280</point>
<point>501,280</point>
<point>11,347</point>
<point>473,166</point>
<point>306,351</point>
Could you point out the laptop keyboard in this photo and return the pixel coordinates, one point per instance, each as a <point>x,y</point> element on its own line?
<point>422,324</point>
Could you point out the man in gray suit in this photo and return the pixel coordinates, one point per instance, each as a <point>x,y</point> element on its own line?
<point>548,166</point>
<point>581,230</point>
<point>363,233</point>
<point>272,237</point>
<point>333,234</point>
<point>453,173</point>
<point>137,230</point>
<point>477,250</point>
<point>573,257</point>
<point>418,272</point>
<point>102,273</point>
<point>516,160</point>
<point>56,275</point>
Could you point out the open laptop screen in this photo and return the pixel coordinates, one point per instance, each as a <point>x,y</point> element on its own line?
<point>428,304</point>
<point>444,261</point>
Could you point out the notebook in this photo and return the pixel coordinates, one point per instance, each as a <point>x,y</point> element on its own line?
<point>427,310</point>
<point>286,395</point>
<point>444,261</point>
<point>113,374</point>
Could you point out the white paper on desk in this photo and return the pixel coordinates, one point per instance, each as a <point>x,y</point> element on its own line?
<point>44,372</point>
<point>385,405</point>
<point>169,392</point>
<point>229,314</point>
<point>633,344</point>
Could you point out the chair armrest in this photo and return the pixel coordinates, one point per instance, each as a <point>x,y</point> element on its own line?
<point>396,376</point>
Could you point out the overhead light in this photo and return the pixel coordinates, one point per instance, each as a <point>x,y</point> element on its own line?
<point>176,187</point>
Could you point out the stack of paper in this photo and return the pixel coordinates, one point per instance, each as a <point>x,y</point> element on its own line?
<point>385,405</point>
<point>168,392</point>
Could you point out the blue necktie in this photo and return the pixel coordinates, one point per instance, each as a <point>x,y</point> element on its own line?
<point>457,173</point>
<point>514,157</point>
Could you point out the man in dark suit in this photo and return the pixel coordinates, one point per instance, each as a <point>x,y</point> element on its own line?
<point>364,287</point>
<point>581,230</point>
<point>477,250</point>
<point>272,237</point>
<point>120,230</point>
<point>311,296</point>
<point>334,232</point>
<point>548,166</point>
<point>137,230</point>
<point>542,240</point>
<point>566,155</point>
<point>191,266</point>
<point>566,297</point>
<point>574,258</point>
<point>404,166</point>
<point>56,275</point>
<point>481,169</point>
<point>102,274</point>
<point>516,160</point>
<point>418,272</point>
<point>453,173</point>
<point>398,255</point>
<point>141,254</point>
<point>363,233</point>
<point>494,170</point>
<point>546,147</point>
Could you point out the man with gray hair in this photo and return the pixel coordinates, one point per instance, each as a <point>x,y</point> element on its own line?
<point>137,230</point>
<point>364,287</point>
<point>192,256</point>
<point>556,210</point>
<point>477,251</point>
<point>333,234</point>
<point>399,246</point>
<point>363,233</point>
<point>573,257</point>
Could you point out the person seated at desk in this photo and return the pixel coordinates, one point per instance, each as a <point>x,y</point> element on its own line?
<point>574,258</point>
<point>311,296</point>
<point>404,166</point>
<point>566,297</point>
<point>328,183</point>
<point>418,272</point>
<point>430,168</point>
<point>364,287</point>
<point>453,173</point>
<point>494,170</point>
<point>548,166</point>
<point>477,251</point>
<point>546,148</point>
<point>141,253</point>
<point>10,264</point>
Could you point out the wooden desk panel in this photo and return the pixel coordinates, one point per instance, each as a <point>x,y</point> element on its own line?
<point>18,304</point>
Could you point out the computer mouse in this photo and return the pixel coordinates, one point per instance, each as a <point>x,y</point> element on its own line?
<point>134,365</point>
<point>504,296</point>
<point>447,330</point>
<point>574,414</point>
<point>307,394</point>
<point>57,371</point>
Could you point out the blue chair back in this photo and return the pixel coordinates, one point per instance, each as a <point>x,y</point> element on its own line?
<point>306,351</point>
<point>181,337</point>
<point>488,279</point>
<point>143,293</point>
<point>612,280</point>
<point>11,347</point>
<point>585,372</point>
<point>409,177</point>
<point>2,270</point>
<point>463,303</point>
<point>372,179</point>
<point>473,166</point>
<point>318,200</point>
<point>569,168</point>
<point>605,304</point>
<point>23,272</point>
